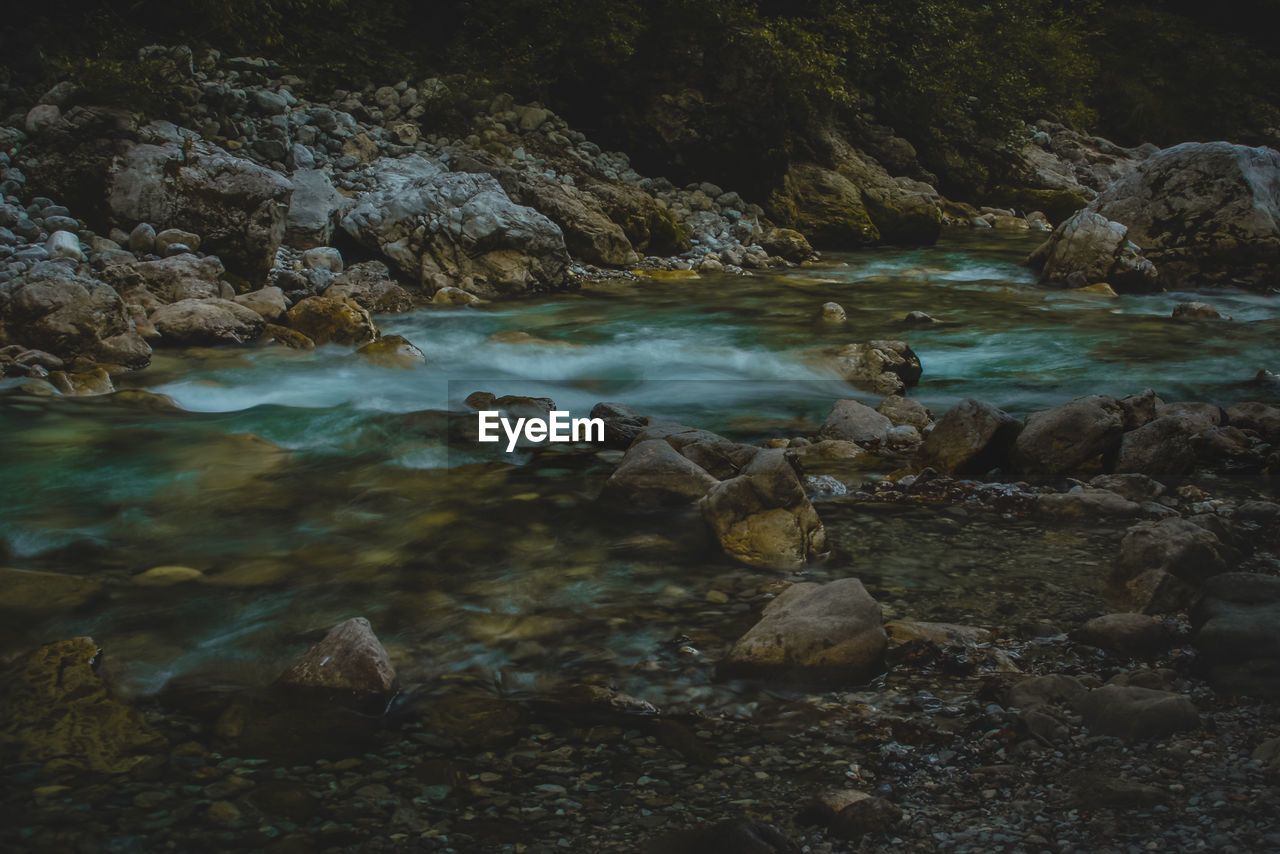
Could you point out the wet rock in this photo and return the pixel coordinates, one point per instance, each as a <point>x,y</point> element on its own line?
<point>1162,447</point>
<point>1137,714</point>
<point>454,296</point>
<point>166,576</point>
<point>971,438</point>
<point>88,382</point>
<point>789,244</point>
<point>721,457</point>
<point>1089,248</point>
<point>827,632</point>
<point>478,238</point>
<point>285,337</point>
<point>854,421</point>
<point>1155,591</point>
<point>1195,311</point>
<point>884,367</point>
<point>1236,630</point>
<point>269,302</point>
<point>195,322</point>
<point>1135,487</point>
<point>392,351</point>
<point>370,284</point>
<point>1176,546</point>
<point>327,320</point>
<point>49,308</point>
<point>348,663</point>
<point>54,709</point>
<point>1059,440</point>
<point>1139,409</point>
<point>1136,635</point>
<point>54,592</point>
<point>763,518</point>
<point>1205,213</point>
<point>826,451</point>
<point>825,206</point>
<point>654,475</point>
<point>833,313</point>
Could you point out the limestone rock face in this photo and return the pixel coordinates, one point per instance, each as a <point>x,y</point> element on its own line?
<point>349,660</point>
<point>829,631</point>
<point>314,209</point>
<point>763,518</point>
<point>971,438</point>
<point>1203,212</point>
<point>449,228</point>
<point>237,207</point>
<point>55,709</point>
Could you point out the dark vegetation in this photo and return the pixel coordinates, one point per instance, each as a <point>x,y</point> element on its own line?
<point>733,90</point>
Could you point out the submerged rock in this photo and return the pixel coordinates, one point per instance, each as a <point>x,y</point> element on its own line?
<point>1137,714</point>
<point>1138,635</point>
<point>392,351</point>
<point>829,632</point>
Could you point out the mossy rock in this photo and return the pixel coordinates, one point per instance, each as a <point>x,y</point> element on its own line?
<point>824,206</point>
<point>903,218</point>
<point>1057,205</point>
<point>666,235</point>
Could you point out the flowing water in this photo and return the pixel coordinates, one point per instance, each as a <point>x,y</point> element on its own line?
<point>310,487</point>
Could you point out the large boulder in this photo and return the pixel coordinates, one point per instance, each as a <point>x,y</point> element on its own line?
<point>1204,212</point>
<point>237,207</point>
<point>1176,546</point>
<point>884,366</point>
<point>330,320</point>
<point>171,279</point>
<point>824,206</point>
<point>972,438</point>
<point>829,631</point>
<point>1089,248</point>
<point>654,475</point>
<point>196,322</point>
<point>51,308</point>
<point>1236,627</point>
<point>315,208</point>
<point>1059,440</point>
<point>763,518</point>
<point>448,228</point>
<point>1160,447</point>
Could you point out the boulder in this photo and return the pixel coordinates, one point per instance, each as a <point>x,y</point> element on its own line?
<point>1176,546</point>
<point>589,234</point>
<point>763,518</point>
<point>653,475</point>
<point>854,421</point>
<point>195,322</point>
<point>370,284</point>
<point>1086,503</point>
<point>1089,248</point>
<point>884,366</point>
<point>1060,440</point>
<point>1136,635</point>
<point>722,457</point>
<point>1236,630</point>
<point>971,438</point>
<point>828,632</point>
<point>1205,213</point>
<point>237,207</point>
<point>824,206</point>
<point>268,302</point>
<point>1259,418</point>
<point>172,279</point>
<point>1137,714</point>
<point>449,228</point>
<point>55,709</point>
<point>622,424</point>
<point>1160,447</point>
<point>905,411</point>
<point>1195,311</point>
<point>51,308</point>
<point>315,208</point>
<point>328,320</point>
<point>788,244</point>
<point>392,351</point>
<point>348,664</point>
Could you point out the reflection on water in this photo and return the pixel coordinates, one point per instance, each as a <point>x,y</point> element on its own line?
<point>308,487</point>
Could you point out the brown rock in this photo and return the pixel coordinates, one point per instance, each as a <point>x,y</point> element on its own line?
<point>348,661</point>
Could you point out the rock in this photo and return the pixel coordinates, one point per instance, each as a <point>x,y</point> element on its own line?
<point>1078,503</point>
<point>1161,447</point>
<point>1259,418</point>
<point>1176,546</point>
<point>867,816</point>
<point>454,296</point>
<point>829,632</point>
<point>832,312</point>
<point>54,592</point>
<point>1236,631</point>
<point>166,576</point>
<point>268,302</point>
<point>64,244</point>
<point>173,237</point>
<point>824,206</point>
<point>788,244</point>
<point>1088,249</point>
<point>1195,311</point>
<point>393,351</point>
<point>142,240</point>
<point>172,279</point>
<point>622,424</point>
<point>90,382</point>
<point>763,518</point>
<point>54,709</point>
<point>1139,409</point>
<point>477,238</point>
<point>854,421</point>
<point>905,411</point>
<point>238,207</point>
<point>971,438</point>
<point>315,209</point>
<point>1137,714</point>
<point>328,258</point>
<point>370,285</point>
<point>285,337</point>
<point>1134,635</point>
<point>1052,689</point>
<point>327,320</point>
<point>349,663</point>
<point>589,233</point>
<point>713,452</point>
<point>196,322</point>
<point>1204,213</point>
<point>826,451</point>
<point>42,119</point>
<point>884,367</point>
<point>1155,591</point>
<point>1060,440</point>
<point>50,308</point>
<point>654,475</point>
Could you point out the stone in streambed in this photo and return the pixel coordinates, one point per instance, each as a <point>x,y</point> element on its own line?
<point>653,475</point>
<point>971,438</point>
<point>370,284</point>
<point>1060,440</point>
<point>1259,418</point>
<point>1176,546</point>
<point>832,313</point>
<point>1137,635</point>
<point>269,302</point>
<point>622,424</point>
<point>205,322</point>
<point>1163,446</point>
<point>327,320</point>
<point>828,632</point>
<point>763,518</point>
<point>1236,630</point>
<point>722,457</point>
<point>1137,714</point>
<point>285,337</point>
<point>904,411</point>
<point>883,366</point>
<point>348,663</point>
<point>393,351</point>
<point>854,421</point>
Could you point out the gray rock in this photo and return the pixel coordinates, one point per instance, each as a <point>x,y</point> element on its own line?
<point>52,309</point>
<point>42,119</point>
<point>179,277</point>
<point>1176,546</point>
<point>971,438</point>
<point>1236,630</point>
<point>1089,248</point>
<point>142,240</point>
<point>1059,440</point>
<point>622,424</point>
<point>1137,714</point>
<point>1137,635</point>
<point>370,284</point>
<point>1161,447</point>
<point>205,322</point>
<point>854,421</point>
<point>654,475</point>
<point>64,244</point>
<point>884,366</point>
<point>905,411</point>
<point>172,237</point>
<point>268,302</point>
<point>327,258</point>
<point>315,208</point>
<point>829,631</point>
<point>1260,418</point>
